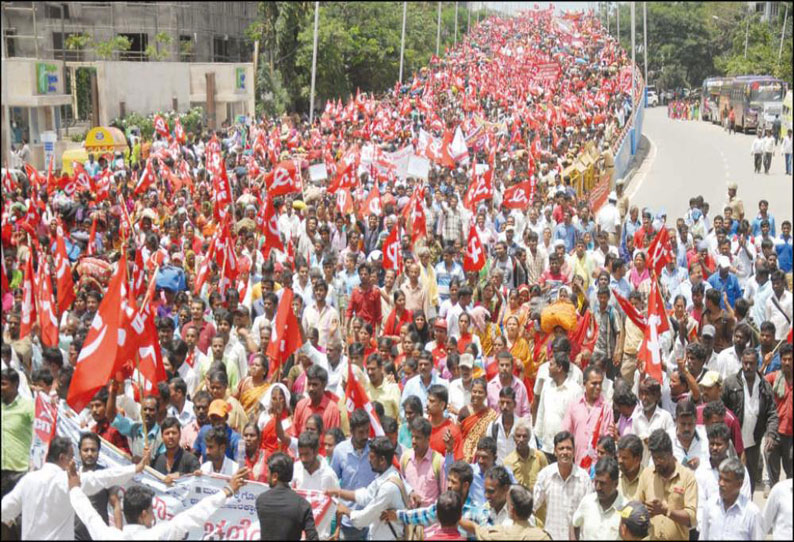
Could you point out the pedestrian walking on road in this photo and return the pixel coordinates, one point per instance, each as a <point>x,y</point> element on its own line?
<point>757,150</point>
<point>785,150</point>
<point>731,122</point>
<point>769,148</point>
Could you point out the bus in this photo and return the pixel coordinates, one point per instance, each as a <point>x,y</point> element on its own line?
<point>754,96</point>
<point>710,98</point>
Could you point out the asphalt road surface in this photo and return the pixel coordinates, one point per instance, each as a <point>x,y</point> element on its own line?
<point>691,158</point>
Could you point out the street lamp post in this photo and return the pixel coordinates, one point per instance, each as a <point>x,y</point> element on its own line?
<point>314,61</point>
<point>782,34</point>
<point>402,42</point>
<point>438,29</point>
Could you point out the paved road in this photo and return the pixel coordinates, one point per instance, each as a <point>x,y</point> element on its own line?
<point>690,158</point>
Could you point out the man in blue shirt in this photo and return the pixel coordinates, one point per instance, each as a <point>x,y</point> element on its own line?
<point>351,465</point>
<point>783,248</point>
<point>419,384</point>
<point>763,214</point>
<point>485,458</point>
<point>218,414</point>
<point>726,282</point>
<point>566,231</point>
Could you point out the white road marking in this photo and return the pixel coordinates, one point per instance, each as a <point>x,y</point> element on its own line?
<point>642,172</point>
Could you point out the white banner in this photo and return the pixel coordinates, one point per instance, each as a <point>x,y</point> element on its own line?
<point>418,167</point>
<point>236,520</point>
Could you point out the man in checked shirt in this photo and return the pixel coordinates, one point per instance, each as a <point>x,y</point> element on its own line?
<point>459,480</point>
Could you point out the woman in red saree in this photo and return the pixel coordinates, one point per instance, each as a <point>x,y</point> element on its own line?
<point>275,409</point>
<point>475,417</point>
<point>398,317</point>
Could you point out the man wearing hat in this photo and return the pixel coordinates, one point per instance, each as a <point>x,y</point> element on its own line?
<point>635,522</point>
<point>735,202</point>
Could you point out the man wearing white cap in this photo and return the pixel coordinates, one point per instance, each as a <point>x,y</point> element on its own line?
<point>608,219</point>
<point>726,282</point>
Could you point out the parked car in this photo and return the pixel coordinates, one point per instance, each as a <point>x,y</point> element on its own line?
<point>653,99</point>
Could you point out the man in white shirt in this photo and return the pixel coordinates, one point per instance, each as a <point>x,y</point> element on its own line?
<point>729,361</point>
<point>731,515</point>
<point>312,472</point>
<point>779,306</point>
<point>707,473</point>
<point>385,492</point>
<point>180,406</point>
<point>557,393</point>
<point>42,496</point>
<point>598,514</point>
<point>777,513</point>
<point>648,416</point>
<point>769,148</point>
<point>139,513</point>
<point>460,388</point>
<point>757,150</point>
<point>217,463</point>
<point>608,219</point>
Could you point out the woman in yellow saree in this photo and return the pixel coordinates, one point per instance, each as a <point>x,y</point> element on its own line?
<point>253,387</point>
<point>475,417</point>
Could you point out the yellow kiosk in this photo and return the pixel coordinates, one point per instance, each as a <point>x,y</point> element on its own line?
<point>98,141</point>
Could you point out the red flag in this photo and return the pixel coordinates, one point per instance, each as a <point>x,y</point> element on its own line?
<point>141,339</point>
<point>222,194</point>
<point>63,273</point>
<point>660,251</point>
<point>418,220</point>
<point>634,315</point>
<point>518,196</point>
<point>291,254</point>
<point>284,179</point>
<point>33,175</point>
<point>372,204</point>
<point>392,255</point>
<point>161,127</point>
<point>268,221</point>
<point>145,180</point>
<point>179,132</point>
<point>45,306</point>
<point>138,278</point>
<point>286,337</point>
<point>474,259</point>
<point>81,178</point>
<point>344,201</point>
<point>9,184</point>
<point>346,171</point>
<point>103,186</point>
<point>356,397</point>
<point>97,357</point>
<point>28,298</point>
<point>480,189</point>
<point>650,351</point>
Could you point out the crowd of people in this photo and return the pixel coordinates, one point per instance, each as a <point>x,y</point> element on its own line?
<point>684,109</point>
<point>516,390</point>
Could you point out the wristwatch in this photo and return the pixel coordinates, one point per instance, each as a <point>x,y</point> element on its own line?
<point>229,492</point>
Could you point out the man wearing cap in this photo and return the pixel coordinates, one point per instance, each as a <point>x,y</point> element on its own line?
<point>735,202</point>
<point>725,282</point>
<point>218,415</point>
<point>635,522</point>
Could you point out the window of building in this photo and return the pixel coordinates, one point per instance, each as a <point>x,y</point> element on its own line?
<point>138,44</point>
<point>11,42</point>
<point>187,48</point>
<point>220,49</point>
<point>54,11</point>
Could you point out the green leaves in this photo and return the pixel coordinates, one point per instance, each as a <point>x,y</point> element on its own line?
<point>358,46</point>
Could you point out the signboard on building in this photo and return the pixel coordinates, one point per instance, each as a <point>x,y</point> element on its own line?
<point>46,78</point>
<point>240,79</point>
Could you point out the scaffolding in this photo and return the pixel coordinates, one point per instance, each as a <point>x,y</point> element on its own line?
<point>204,22</point>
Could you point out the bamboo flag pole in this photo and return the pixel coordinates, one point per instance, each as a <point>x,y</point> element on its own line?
<point>138,368</point>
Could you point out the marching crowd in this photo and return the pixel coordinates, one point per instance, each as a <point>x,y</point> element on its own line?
<point>476,352</point>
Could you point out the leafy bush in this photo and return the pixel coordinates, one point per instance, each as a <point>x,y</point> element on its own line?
<point>192,121</point>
